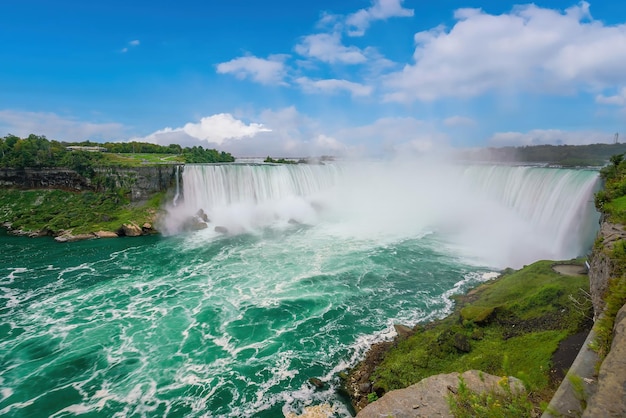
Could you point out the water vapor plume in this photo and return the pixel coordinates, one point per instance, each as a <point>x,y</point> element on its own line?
<point>500,216</point>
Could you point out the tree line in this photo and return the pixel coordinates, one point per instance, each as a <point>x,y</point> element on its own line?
<point>37,151</point>
<point>563,155</point>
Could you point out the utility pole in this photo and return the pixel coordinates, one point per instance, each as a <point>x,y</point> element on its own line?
<point>616,139</point>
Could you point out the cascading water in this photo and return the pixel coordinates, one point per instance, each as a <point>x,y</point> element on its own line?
<point>506,215</point>
<point>318,262</point>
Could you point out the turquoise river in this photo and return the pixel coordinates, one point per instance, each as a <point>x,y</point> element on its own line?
<point>312,264</point>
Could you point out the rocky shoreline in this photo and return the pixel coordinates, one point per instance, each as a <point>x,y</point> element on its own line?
<point>130,229</point>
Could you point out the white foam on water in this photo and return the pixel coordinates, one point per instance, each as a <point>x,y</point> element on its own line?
<point>13,273</point>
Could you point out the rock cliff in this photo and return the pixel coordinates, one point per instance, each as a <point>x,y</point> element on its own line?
<point>140,181</point>
<point>43,178</point>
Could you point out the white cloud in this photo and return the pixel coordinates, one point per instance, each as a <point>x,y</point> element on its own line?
<point>291,135</point>
<point>549,137</point>
<point>325,142</point>
<point>328,48</point>
<point>618,99</point>
<point>395,136</point>
<point>57,127</point>
<point>215,129</point>
<point>333,85</point>
<point>265,71</point>
<point>530,48</point>
<point>131,44</point>
<point>459,121</point>
<point>359,21</point>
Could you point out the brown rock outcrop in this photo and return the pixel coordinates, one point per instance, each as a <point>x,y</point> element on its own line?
<point>429,397</point>
<point>131,230</point>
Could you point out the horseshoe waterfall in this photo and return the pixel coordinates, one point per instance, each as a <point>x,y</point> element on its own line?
<point>264,277</point>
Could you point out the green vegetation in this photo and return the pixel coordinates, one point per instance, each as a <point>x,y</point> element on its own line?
<point>611,201</point>
<point>37,152</point>
<point>500,403</point>
<point>55,210</point>
<point>562,155</point>
<point>615,298</point>
<point>508,327</point>
<point>279,161</point>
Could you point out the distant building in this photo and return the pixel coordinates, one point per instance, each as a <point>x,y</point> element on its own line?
<point>88,149</point>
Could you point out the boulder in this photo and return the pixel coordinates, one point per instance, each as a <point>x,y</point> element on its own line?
<point>317,383</point>
<point>69,237</point>
<point>131,230</point>
<point>429,397</point>
<point>147,228</point>
<point>221,229</point>
<point>403,331</point>
<point>105,234</point>
<point>203,216</point>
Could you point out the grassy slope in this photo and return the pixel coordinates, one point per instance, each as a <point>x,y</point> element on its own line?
<point>135,160</point>
<point>82,212</point>
<point>513,326</point>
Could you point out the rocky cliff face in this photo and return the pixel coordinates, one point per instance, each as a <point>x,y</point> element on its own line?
<point>600,264</point>
<point>43,178</point>
<point>140,181</point>
<point>609,398</point>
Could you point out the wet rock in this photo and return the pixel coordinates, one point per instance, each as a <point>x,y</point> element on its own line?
<point>203,216</point>
<point>221,229</point>
<point>317,383</point>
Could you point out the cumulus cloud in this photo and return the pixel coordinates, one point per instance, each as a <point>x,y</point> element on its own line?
<point>57,127</point>
<point>265,71</point>
<point>530,48</point>
<point>327,47</point>
<point>549,137</point>
<point>333,85</point>
<point>213,129</point>
<point>618,99</point>
<point>278,133</point>
<point>359,21</point>
<point>459,121</point>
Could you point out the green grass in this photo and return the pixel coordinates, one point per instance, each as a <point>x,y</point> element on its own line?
<point>83,212</point>
<point>501,402</point>
<point>134,160</point>
<point>513,327</point>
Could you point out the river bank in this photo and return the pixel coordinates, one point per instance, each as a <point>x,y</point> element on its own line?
<point>528,323</point>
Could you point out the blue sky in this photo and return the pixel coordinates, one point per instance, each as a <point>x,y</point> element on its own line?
<point>285,78</point>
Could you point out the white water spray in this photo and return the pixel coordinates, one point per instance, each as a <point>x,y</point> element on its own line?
<point>495,215</point>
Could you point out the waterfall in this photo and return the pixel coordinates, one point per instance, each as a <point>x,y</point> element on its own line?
<point>556,204</point>
<point>177,193</point>
<point>500,215</point>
